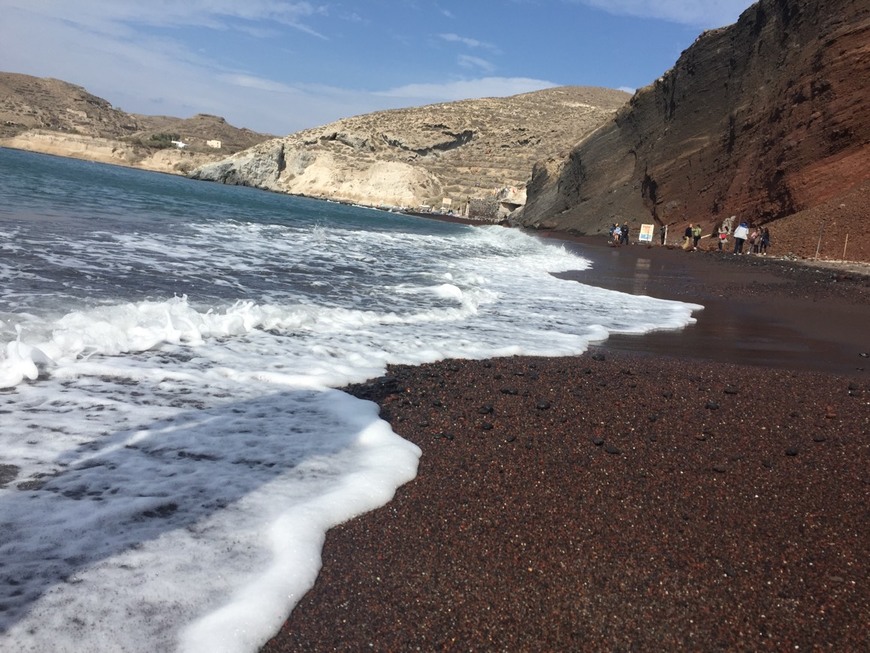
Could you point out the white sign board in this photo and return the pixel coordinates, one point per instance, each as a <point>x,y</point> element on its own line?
<point>646,233</point>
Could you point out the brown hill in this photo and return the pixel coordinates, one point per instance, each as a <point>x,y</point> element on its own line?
<point>765,119</point>
<point>56,117</point>
<point>451,154</point>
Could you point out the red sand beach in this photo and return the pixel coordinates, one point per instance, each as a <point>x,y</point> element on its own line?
<point>704,490</point>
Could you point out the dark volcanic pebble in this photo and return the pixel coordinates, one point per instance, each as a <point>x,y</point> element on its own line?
<point>550,547</point>
<point>674,545</point>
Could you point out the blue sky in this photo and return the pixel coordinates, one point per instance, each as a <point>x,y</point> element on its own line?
<point>279,66</point>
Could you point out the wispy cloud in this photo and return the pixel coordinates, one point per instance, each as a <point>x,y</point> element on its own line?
<point>468,42</point>
<point>467,61</point>
<point>106,17</point>
<point>697,13</point>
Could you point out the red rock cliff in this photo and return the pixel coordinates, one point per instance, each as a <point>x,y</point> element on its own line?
<point>763,119</point>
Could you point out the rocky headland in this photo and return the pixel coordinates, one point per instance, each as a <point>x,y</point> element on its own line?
<point>766,120</point>
<point>55,117</point>
<point>446,156</point>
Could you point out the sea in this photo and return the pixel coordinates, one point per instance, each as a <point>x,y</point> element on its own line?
<point>174,440</point>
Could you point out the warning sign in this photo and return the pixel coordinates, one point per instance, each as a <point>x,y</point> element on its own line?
<point>646,233</point>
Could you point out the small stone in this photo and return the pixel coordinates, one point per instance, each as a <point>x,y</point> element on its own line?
<point>667,394</point>
<point>767,463</point>
<point>719,469</point>
<point>8,473</point>
<point>598,356</point>
<point>609,448</point>
<point>819,437</point>
<point>509,391</point>
<point>597,441</point>
<point>791,451</point>
<point>711,405</point>
<point>543,405</point>
<point>486,426</point>
<point>510,438</point>
<point>486,409</point>
<point>730,390</point>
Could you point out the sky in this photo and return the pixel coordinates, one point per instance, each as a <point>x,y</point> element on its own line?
<point>278,66</point>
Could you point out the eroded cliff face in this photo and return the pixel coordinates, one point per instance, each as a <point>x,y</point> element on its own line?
<point>761,119</point>
<point>52,116</point>
<point>456,151</point>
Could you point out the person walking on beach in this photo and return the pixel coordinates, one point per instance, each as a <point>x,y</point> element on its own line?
<point>753,241</point>
<point>740,235</point>
<point>764,242</point>
<point>687,237</point>
<point>623,234</point>
<point>663,233</point>
<point>696,236</point>
<point>723,235</point>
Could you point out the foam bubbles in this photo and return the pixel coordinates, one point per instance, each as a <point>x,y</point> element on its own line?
<point>170,371</point>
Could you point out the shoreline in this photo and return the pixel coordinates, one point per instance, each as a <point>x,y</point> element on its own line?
<point>673,491</point>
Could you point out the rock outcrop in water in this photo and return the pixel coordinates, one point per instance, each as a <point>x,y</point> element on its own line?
<point>442,155</point>
<point>762,119</point>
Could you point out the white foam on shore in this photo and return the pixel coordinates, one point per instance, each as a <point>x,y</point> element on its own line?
<point>181,455</point>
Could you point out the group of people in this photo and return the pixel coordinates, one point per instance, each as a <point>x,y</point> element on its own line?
<point>619,233</point>
<point>692,236</point>
<point>758,239</point>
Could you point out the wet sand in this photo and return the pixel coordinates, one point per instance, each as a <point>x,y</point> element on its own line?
<point>701,490</point>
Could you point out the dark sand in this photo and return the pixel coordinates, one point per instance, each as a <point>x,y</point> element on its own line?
<point>705,490</point>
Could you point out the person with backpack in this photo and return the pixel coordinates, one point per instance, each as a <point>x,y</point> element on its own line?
<point>696,236</point>
<point>741,233</point>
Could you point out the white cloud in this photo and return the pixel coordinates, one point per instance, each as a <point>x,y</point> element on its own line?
<point>118,16</point>
<point>697,13</point>
<point>467,61</point>
<point>468,42</point>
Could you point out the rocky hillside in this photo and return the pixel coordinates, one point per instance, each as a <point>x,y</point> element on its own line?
<point>443,155</point>
<point>767,119</point>
<point>56,117</point>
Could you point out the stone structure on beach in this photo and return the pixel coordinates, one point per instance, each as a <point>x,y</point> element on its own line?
<point>55,117</point>
<point>441,155</point>
<point>764,119</point>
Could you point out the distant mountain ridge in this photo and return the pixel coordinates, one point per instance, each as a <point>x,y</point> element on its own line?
<point>56,117</point>
<point>447,156</point>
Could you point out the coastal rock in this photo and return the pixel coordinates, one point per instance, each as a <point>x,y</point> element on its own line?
<point>764,119</point>
<point>472,157</point>
<point>55,117</point>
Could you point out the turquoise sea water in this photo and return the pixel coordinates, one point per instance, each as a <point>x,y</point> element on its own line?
<point>170,353</point>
